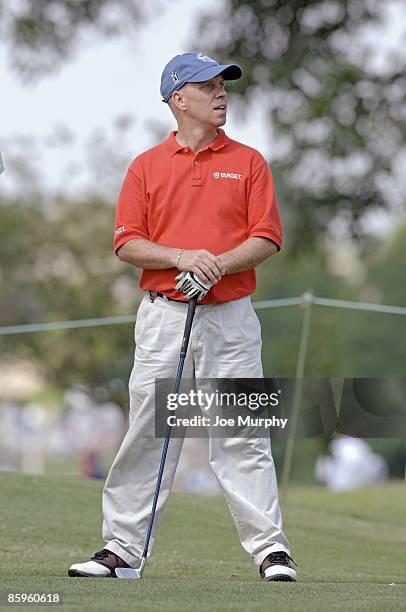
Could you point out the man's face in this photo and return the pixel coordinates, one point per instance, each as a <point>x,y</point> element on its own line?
<point>205,102</point>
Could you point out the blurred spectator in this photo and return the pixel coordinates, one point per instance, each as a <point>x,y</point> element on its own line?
<point>350,465</point>
<point>91,466</point>
<point>193,474</point>
<point>32,435</point>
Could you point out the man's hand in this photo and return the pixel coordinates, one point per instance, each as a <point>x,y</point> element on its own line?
<point>206,267</point>
<point>191,287</point>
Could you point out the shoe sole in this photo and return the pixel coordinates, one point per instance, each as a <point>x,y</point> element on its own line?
<point>279,579</point>
<point>77,574</point>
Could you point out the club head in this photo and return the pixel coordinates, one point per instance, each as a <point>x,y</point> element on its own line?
<point>128,573</point>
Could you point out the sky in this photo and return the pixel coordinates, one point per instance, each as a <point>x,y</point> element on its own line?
<point>67,121</point>
<point>106,81</point>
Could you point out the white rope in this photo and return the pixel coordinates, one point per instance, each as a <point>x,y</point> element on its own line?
<point>118,320</point>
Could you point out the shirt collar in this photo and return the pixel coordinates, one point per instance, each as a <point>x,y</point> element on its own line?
<point>218,143</point>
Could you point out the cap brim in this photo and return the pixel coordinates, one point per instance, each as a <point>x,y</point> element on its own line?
<point>230,72</point>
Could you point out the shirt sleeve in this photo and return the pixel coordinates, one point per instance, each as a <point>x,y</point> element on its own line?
<point>131,216</point>
<point>263,211</point>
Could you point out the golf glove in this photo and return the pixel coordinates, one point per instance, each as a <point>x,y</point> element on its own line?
<point>191,287</point>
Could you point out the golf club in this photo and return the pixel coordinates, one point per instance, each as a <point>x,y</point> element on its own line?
<point>136,573</point>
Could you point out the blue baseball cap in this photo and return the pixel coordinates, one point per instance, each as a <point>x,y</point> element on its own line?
<point>194,68</point>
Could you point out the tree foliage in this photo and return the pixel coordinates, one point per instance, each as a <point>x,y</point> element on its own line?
<point>57,264</point>
<point>342,342</point>
<point>43,34</point>
<point>338,121</point>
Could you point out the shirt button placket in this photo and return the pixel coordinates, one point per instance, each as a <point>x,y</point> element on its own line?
<point>197,173</point>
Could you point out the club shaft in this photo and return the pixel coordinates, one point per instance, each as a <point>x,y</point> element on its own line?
<point>182,357</point>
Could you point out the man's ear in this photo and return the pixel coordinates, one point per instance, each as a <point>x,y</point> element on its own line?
<point>178,100</point>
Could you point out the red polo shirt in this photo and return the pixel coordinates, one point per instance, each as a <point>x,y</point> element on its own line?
<point>213,199</point>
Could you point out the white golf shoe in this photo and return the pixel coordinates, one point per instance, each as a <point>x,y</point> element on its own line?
<point>278,566</point>
<point>102,565</point>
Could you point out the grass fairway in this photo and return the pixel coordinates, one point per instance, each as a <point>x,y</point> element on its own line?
<point>350,548</point>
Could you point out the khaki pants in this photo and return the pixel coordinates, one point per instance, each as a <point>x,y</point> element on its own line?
<point>225,342</point>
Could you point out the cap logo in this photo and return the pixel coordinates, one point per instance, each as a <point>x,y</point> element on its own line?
<point>205,58</point>
<point>174,77</point>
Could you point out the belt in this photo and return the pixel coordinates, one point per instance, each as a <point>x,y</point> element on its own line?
<point>154,294</point>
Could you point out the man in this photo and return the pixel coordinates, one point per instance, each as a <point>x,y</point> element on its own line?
<point>203,204</point>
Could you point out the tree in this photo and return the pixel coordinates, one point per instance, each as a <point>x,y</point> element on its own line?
<point>43,34</point>
<point>58,265</point>
<point>338,121</point>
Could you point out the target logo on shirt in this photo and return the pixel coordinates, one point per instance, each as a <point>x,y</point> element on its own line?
<point>227,175</point>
